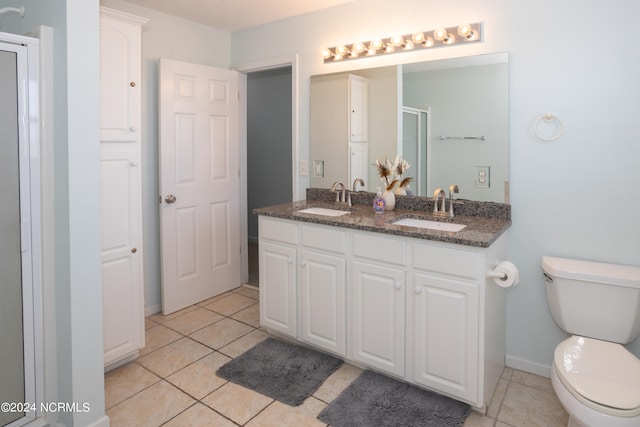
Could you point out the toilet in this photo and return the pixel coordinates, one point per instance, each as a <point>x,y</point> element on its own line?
<point>596,379</point>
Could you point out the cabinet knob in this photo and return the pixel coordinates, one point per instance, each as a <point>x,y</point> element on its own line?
<point>134,164</point>
<point>134,250</point>
<point>132,84</point>
<point>303,263</point>
<point>418,290</point>
<point>398,285</point>
<point>289,261</point>
<point>133,129</point>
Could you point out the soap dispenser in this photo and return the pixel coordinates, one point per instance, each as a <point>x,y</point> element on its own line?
<point>378,202</point>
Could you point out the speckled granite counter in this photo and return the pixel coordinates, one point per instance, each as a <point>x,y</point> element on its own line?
<point>483,225</point>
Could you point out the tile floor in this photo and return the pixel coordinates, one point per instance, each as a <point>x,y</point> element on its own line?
<point>173,382</point>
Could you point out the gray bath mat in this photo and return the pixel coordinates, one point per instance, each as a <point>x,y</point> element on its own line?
<point>282,371</point>
<point>374,400</point>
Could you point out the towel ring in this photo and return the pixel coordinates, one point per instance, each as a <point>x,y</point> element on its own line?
<point>548,118</point>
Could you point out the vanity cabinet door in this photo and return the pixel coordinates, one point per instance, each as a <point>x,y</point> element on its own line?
<point>446,336</point>
<point>378,316</point>
<point>323,300</point>
<point>278,296</point>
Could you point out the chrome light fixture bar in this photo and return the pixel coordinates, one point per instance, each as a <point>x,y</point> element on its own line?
<point>441,37</point>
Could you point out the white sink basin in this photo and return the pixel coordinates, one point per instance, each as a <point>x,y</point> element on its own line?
<point>323,211</point>
<point>431,225</point>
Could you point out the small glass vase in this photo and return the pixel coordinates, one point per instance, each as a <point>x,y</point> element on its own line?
<point>390,200</point>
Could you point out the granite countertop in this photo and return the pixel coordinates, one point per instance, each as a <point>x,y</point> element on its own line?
<point>480,231</point>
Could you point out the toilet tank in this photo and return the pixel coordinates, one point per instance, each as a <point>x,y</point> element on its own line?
<point>594,299</point>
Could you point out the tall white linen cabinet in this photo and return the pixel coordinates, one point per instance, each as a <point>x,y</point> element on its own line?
<point>121,186</point>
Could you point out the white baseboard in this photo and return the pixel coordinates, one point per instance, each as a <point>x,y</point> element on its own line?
<point>528,366</point>
<point>152,309</point>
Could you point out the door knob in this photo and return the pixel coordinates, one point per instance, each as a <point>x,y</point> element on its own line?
<point>170,198</point>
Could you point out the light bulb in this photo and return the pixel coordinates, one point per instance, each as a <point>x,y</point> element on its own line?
<point>371,51</point>
<point>376,44</point>
<point>389,48</point>
<point>341,50</point>
<point>428,42</point>
<point>397,40</point>
<point>326,53</point>
<point>358,47</point>
<point>408,45</point>
<point>440,34</point>
<point>417,37</point>
<point>466,31</point>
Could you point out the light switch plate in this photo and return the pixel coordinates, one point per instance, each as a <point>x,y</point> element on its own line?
<point>318,168</point>
<point>304,167</point>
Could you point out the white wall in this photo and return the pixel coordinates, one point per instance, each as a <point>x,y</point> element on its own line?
<point>164,36</point>
<point>563,60</point>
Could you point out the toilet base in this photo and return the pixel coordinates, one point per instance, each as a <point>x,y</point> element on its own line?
<point>581,415</point>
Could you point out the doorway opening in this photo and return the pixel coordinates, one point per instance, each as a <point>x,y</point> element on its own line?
<point>269,150</point>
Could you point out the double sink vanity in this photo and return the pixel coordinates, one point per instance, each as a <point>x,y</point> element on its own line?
<point>400,292</point>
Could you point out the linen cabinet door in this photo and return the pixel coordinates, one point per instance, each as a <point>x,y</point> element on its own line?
<point>323,301</point>
<point>446,336</point>
<point>278,294</point>
<point>378,316</point>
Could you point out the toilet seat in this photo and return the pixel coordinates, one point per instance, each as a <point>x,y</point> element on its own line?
<point>602,375</point>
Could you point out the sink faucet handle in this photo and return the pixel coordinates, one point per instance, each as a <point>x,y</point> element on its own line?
<point>356,182</point>
<point>453,189</point>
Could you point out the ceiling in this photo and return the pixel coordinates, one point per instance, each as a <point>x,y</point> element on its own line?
<point>235,15</point>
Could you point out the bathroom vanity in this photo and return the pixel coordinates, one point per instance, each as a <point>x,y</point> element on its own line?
<point>409,302</point>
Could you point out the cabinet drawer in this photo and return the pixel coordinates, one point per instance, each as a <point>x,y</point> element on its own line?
<point>324,238</point>
<point>450,261</point>
<point>278,231</point>
<point>379,248</point>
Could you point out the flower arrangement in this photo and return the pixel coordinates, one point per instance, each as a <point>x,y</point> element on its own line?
<point>392,174</point>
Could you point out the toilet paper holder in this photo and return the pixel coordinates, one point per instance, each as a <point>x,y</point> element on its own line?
<point>504,274</point>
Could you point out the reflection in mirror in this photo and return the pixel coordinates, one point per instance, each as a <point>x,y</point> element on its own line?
<point>448,118</point>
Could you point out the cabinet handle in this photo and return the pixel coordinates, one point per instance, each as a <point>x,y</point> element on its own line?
<point>418,290</point>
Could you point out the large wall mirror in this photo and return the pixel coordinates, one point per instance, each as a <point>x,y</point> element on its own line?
<point>448,118</point>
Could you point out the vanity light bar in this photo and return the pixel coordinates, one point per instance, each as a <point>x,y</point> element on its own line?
<point>441,37</point>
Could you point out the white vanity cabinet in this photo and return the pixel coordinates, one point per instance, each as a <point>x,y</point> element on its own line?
<point>121,186</point>
<point>420,310</point>
<point>378,302</point>
<point>302,282</point>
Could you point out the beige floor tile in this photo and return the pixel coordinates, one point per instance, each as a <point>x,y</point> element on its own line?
<point>498,398</point>
<point>125,381</point>
<point>476,419</point>
<point>148,323</point>
<point>236,402</point>
<point>528,406</point>
<point>216,298</point>
<point>151,407</point>
<point>193,320</point>
<point>281,415</point>
<point>221,333</point>
<point>199,416</point>
<point>231,304</point>
<point>248,292</point>
<point>199,378</point>
<point>173,357</point>
<point>337,382</point>
<point>531,380</point>
<point>158,336</point>
<point>159,318</point>
<point>244,343</point>
<point>250,315</point>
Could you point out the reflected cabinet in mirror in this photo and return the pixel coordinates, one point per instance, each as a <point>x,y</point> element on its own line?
<point>448,118</point>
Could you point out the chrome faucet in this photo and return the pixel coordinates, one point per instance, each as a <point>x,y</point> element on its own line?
<point>340,195</point>
<point>355,184</point>
<point>453,189</point>
<point>443,206</point>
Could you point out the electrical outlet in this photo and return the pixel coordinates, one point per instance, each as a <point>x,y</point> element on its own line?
<point>304,167</point>
<point>483,177</point>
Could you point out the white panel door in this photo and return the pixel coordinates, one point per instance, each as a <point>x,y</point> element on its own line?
<point>446,357</point>
<point>378,316</point>
<point>323,301</point>
<point>199,183</point>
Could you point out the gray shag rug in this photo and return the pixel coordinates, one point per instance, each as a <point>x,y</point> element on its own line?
<point>280,370</point>
<point>374,400</point>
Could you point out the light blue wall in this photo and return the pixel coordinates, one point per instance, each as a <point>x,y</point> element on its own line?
<point>562,61</point>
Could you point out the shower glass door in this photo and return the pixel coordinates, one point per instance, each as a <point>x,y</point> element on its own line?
<point>12,372</point>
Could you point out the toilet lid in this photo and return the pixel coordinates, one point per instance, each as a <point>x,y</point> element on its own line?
<point>600,371</point>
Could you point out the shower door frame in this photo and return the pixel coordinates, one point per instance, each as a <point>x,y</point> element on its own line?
<point>27,51</point>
